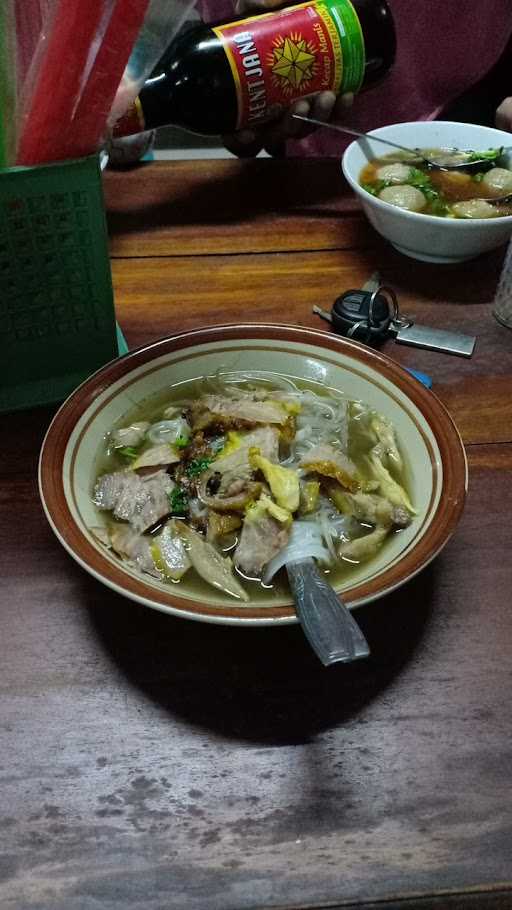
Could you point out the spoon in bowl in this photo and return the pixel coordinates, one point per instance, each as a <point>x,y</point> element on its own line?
<point>326,622</point>
<point>416,155</point>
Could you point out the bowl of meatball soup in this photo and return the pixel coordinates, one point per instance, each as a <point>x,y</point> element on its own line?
<point>443,198</point>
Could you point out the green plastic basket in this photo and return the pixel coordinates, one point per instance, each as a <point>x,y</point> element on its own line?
<point>57,318</point>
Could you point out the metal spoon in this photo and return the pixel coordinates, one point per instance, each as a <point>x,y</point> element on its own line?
<point>497,200</point>
<point>327,623</point>
<point>415,153</point>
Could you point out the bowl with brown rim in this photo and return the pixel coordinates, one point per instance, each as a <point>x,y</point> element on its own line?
<point>428,438</point>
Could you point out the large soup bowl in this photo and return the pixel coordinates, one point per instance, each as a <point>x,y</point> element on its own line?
<point>428,438</point>
<point>428,237</point>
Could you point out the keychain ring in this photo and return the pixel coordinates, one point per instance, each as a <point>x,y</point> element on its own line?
<point>390,297</point>
<point>364,323</point>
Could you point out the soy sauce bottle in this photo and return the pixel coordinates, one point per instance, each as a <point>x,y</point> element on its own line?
<point>218,79</point>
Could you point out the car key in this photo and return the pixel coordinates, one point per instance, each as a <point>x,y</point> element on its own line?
<point>372,315</point>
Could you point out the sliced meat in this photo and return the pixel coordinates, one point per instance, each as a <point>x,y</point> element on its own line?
<point>260,541</point>
<point>237,464</point>
<point>330,462</point>
<point>153,503</point>
<point>133,548</point>
<point>141,501</point>
<point>237,496</point>
<point>110,488</point>
<point>227,484</point>
<point>160,455</point>
<point>232,413</point>
<point>217,570</point>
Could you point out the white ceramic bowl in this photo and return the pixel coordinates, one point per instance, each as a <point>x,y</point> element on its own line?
<point>427,237</point>
<point>427,434</point>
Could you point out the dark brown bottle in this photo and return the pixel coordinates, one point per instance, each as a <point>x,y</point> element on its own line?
<point>218,79</point>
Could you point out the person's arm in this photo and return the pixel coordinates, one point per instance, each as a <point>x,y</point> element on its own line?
<point>504,115</point>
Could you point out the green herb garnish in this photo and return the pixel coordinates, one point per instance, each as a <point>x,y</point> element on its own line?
<point>374,188</point>
<point>181,442</point>
<point>438,207</point>
<point>178,500</point>
<point>422,182</point>
<point>489,155</point>
<point>197,466</point>
<point>128,452</point>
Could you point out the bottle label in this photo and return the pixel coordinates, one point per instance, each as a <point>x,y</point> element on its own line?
<point>290,53</point>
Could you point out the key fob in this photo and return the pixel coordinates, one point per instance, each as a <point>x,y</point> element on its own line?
<point>363,315</point>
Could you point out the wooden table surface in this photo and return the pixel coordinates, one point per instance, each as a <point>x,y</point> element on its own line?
<point>151,762</point>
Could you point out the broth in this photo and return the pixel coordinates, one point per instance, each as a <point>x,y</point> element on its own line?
<point>446,194</point>
<point>353,443</point>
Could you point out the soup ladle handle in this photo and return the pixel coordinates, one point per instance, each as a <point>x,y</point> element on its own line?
<point>327,623</point>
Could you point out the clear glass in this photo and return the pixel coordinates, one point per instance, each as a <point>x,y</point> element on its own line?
<point>502,309</point>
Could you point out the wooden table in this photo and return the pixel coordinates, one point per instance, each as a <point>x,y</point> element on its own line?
<point>150,762</point>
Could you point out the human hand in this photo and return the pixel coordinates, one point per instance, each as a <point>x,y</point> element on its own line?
<point>324,106</point>
<point>272,136</point>
<point>504,115</point>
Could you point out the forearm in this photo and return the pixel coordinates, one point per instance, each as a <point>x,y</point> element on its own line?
<point>504,115</point>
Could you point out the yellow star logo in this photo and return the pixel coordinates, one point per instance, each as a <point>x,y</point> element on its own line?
<point>293,63</point>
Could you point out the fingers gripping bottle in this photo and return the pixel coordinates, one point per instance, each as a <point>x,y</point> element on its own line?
<point>218,79</point>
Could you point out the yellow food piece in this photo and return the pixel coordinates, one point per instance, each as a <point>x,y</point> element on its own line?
<point>265,505</point>
<point>233,442</point>
<point>339,497</point>
<point>288,429</point>
<point>388,486</point>
<point>283,482</point>
<point>221,523</point>
<point>309,493</point>
<point>386,437</point>
<point>291,407</point>
<point>330,469</point>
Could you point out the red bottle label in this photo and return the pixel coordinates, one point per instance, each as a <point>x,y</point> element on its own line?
<point>284,55</point>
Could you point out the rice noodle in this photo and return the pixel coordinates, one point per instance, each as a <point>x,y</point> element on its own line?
<point>305,541</point>
<point>233,385</point>
<point>319,421</point>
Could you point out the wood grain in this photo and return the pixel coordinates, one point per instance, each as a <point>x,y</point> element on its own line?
<point>191,291</point>
<point>151,762</point>
<point>232,207</point>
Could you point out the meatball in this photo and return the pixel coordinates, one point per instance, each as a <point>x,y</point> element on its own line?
<point>395,173</point>
<point>474,208</point>
<point>498,180</point>
<point>405,197</point>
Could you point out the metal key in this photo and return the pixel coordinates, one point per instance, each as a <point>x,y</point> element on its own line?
<point>372,314</point>
<point>422,336</point>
